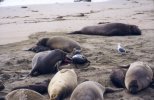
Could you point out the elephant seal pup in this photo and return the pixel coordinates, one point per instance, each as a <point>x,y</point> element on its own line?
<point>41,87</point>
<point>24,94</point>
<point>138,77</point>
<point>111,29</point>
<point>59,42</point>
<point>90,90</point>
<point>47,62</point>
<point>117,77</point>
<point>62,84</point>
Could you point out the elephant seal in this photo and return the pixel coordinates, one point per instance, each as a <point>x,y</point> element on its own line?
<point>41,87</point>
<point>90,90</point>
<point>111,29</point>
<point>117,77</point>
<point>138,76</point>
<point>24,94</point>
<point>59,42</point>
<point>47,62</point>
<point>62,84</point>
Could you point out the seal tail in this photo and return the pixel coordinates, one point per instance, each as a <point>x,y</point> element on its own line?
<point>76,32</point>
<point>111,90</point>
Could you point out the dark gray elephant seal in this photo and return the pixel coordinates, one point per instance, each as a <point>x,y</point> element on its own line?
<point>90,90</point>
<point>138,77</point>
<point>117,77</point>
<point>47,62</point>
<point>111,29</point>
<point>24,94</point>
<point>40,87</point>
<point>59,42</point>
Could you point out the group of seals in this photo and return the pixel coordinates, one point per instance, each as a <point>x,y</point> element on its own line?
<point>138,77</point>
<point>62,84</point>
<point>111,29</point>
<point>90,90</point>
<point>47,62</point>
<point>58,42</point>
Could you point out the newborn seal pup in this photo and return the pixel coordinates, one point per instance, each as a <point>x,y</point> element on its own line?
<point>138,77</point>
<point>24,94</point>
<point>111,29</point>
<point>47,62</point>
<point>90,90</point>
<point>62,84</point>
<point>63,43</point>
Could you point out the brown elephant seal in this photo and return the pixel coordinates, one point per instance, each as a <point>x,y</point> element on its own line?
<point>117,77</point>
<point>24,94</point>
<point>90,90</point>
<point>62,84</point>
<point>47,62</point>
<point>111,29</point>
<point>59,42</point>
<point>138,77</point>
<point>41,87</point>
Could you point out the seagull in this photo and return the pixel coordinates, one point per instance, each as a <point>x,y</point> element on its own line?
<point>121,49</point>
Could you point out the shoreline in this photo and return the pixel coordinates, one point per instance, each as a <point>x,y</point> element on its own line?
<point>18,23</point>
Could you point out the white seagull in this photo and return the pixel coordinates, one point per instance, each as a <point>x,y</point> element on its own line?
<point>121,49</point>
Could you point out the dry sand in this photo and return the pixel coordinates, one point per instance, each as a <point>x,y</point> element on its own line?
<point>17,24</point>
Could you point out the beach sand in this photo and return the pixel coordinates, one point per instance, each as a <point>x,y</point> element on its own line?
<point>25,26</point>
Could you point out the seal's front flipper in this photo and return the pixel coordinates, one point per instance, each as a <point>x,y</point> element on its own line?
<point>124,66</point>
<point>38,48</point>
<point>111,90</point>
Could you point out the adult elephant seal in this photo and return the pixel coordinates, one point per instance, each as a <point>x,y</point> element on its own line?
<point>111,29</point>
<point>41,87</point>
<point>138,77</point>
<point>62,84</point>
<point>47,62</point>
<point>90,90</point>
<point>63,43</point>
<point>24,94</point>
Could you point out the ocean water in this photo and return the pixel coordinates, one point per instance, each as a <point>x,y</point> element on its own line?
<point>35,2</point>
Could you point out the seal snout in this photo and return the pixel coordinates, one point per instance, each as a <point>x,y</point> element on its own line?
<point>133,87</point>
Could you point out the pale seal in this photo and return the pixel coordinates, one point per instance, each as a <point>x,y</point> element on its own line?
<point>62,84</point>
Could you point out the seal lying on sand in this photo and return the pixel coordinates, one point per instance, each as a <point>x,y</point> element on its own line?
<point>62,84</point>
<point>90,90</point>
<point>118,77</point>
<point>41,87</point>
<point>47,62</point>
<point>111,29</point>
<point>138,76</point>
<point>24,94</point>
<point>63,43</point>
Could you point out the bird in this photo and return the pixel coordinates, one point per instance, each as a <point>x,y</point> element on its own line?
<point>120,49</point>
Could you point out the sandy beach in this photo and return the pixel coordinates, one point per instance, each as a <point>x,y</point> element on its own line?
<point>21,28</point>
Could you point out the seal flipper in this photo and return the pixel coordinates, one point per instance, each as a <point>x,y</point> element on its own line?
<point>111,90</point>
<point>38,48</point>
<point>152,83</point>
<point>124,66</point>
<point>76,32</point>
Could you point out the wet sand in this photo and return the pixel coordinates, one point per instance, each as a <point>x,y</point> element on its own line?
<point>18,23</point>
